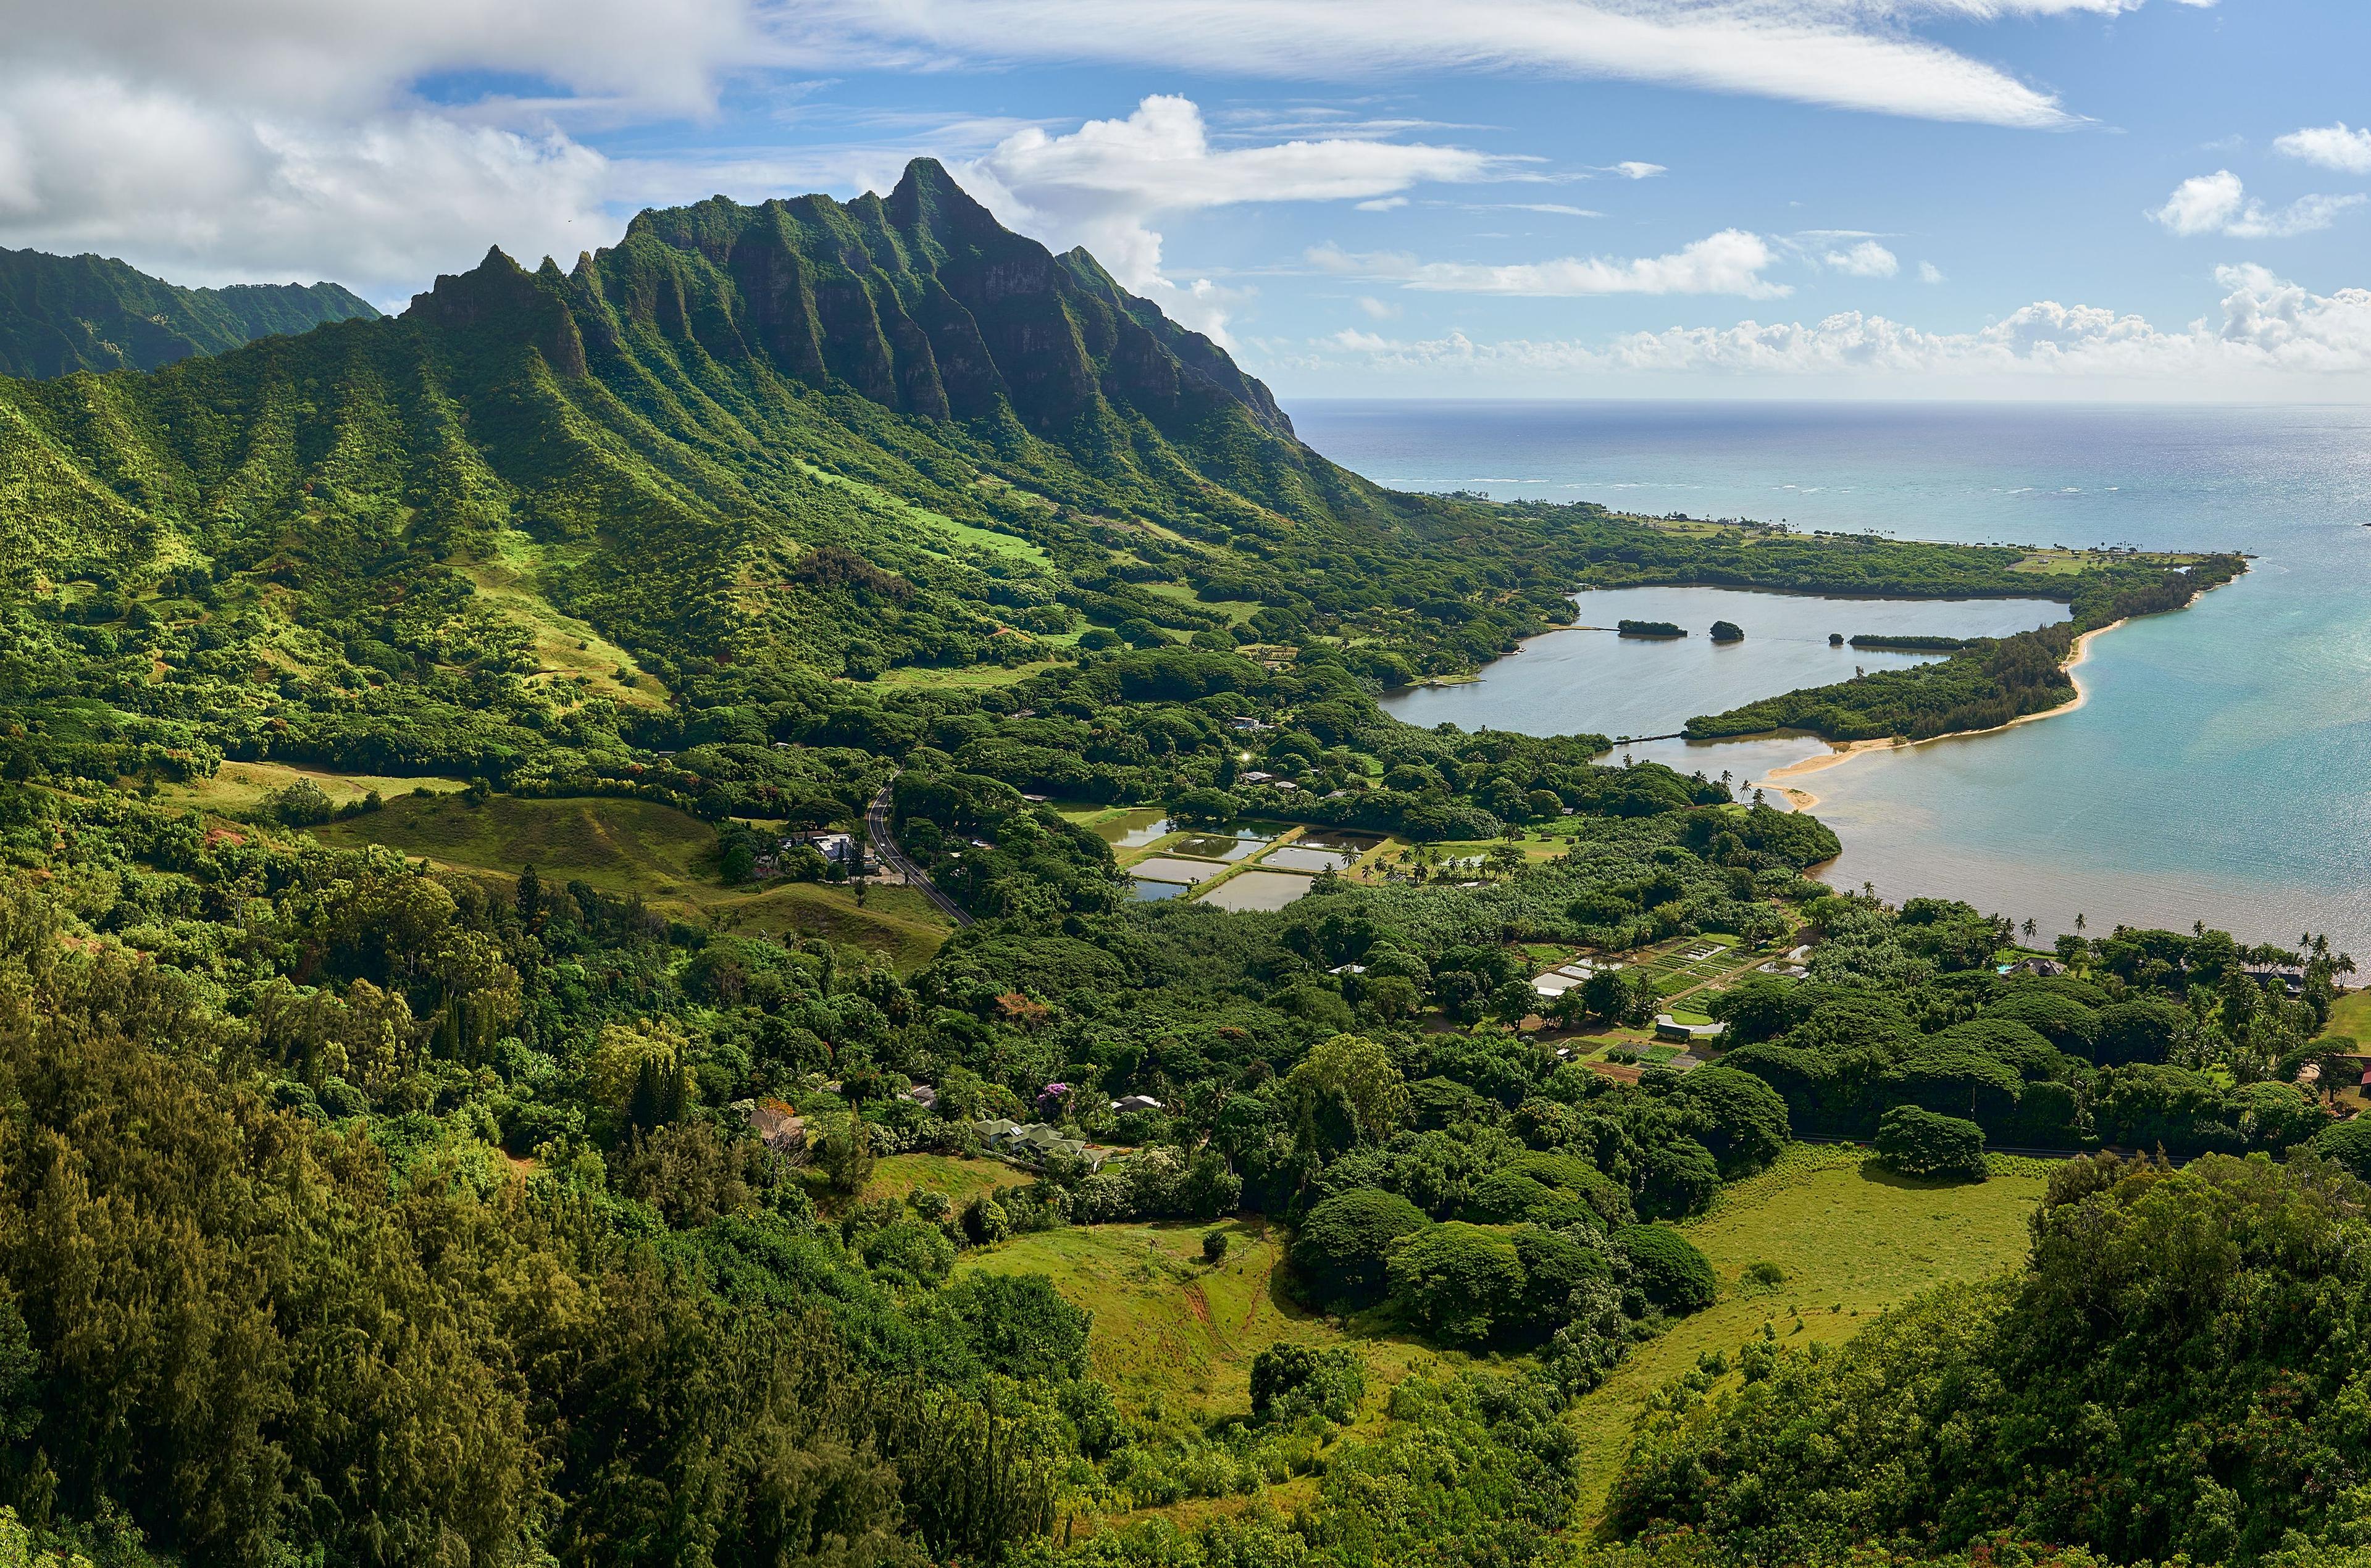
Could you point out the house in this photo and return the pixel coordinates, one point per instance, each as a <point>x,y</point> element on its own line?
<point>1286,784</point>
<point>2041,968</point>
<point>777,1126</point>
<point>923,1095</point>
<point>1347,969</point>
<point>1255,777</point>
<point>1136,1103</point>
<point>1668,1027</point>
<point>1244,724</point>
<point>1033,1143</point>
<point>836,848</point>
<point>2290,977</point>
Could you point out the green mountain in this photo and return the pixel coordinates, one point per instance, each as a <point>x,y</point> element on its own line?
<point>60,314</point>
<point>745,456</point>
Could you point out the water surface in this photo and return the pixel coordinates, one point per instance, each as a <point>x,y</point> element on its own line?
<point>1590,678</point>
<point>2221,769</point>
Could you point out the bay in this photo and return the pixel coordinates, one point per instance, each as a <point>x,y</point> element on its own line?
<point>2219,768</point>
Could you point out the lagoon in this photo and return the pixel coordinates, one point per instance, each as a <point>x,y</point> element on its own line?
<point>2220,768</point>
<point>1590,678</point>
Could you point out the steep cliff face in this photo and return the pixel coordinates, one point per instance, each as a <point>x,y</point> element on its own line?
<point>60,314</point>
<point>921,302</point>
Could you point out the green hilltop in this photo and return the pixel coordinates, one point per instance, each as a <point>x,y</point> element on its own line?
<point>61,314</point>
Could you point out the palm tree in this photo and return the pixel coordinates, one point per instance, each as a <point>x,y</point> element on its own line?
<point>2078,924</point>
<point>2030,927</point>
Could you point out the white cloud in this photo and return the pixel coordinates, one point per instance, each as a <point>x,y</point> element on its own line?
<point>1630,169</point>
<point>1384,204</point>
<point>1377,309</point>
<point>289,138</point>
<point>2219,203</point>
<point>1105,185</point>
<point>2337,148</point>
<point>2273,338</point>
<point>1554,209</point>
<point>1852,54</point>
<point>1867,259</point>
<point>206,194</point>
<point>1730,262</point>
<point>1929,273</point>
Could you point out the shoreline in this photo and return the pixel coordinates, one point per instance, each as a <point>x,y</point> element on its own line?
<point>1844,751</point>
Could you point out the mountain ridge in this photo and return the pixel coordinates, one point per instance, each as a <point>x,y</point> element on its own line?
<point>61,314</point>
<point>747,449</point>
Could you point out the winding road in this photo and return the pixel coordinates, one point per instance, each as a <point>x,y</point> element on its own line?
<point>886,850</point>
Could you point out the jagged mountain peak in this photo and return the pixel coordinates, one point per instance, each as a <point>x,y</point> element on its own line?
<point>921,300</point>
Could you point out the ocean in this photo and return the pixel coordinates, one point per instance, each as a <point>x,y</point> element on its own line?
<point>2219,768</point>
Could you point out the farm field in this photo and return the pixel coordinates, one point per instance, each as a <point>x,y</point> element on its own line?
<point>1850,1240</point>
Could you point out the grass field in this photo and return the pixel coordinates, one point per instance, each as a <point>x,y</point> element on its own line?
<point>2350,1015</point>
<point>241,785</point>
<point>622,847</point>
<point>957,1178</point>
<point>1850,1240</point>
<point>1166,1325</point>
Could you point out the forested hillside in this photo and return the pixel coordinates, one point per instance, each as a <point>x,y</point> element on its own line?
<point>60,314</point>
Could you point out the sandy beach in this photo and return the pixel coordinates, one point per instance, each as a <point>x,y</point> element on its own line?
<point>1844,751</point>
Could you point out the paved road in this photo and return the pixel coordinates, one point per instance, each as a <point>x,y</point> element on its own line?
<point>886,850</point>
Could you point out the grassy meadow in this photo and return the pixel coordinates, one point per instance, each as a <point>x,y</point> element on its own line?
<point>1167,1325</point>
<point>1850,1240</point>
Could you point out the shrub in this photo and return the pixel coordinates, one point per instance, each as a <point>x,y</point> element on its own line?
<point>1291,1379</point>
<point>909,1252</point>
<point>1019,1326</point>
<point>1667,1269</point>
<point>2348,1143</point>
<point>301,804</point>
<point>1914,1142</point>
<point>1741,1120</point>
<point>1676,1179</point>
<point>1214,1248</point>
<point>1343,1240</point>
<point>1457,1281</point>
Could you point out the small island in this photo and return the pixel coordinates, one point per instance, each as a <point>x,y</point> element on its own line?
<point>1835,639</point>
<point>1651,628</point>
<point>1910,644</point>
<point>1727,631</point>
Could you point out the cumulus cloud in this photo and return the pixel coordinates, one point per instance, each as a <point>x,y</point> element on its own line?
<point>1105,185</point>
<point>2219,203</point>
<point>2337,148</point>
<point>2268,334</point>
<point>290,138</point>
<point>208,194</point>
<point>1929,273</point>
<point>1867,259</point>
<point>1854,55</point>
<point>1730,262</point>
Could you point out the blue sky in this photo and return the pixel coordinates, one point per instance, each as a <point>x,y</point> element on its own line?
<point>1527,198</point>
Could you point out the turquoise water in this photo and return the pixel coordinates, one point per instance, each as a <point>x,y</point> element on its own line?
<point>2220,768</point>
